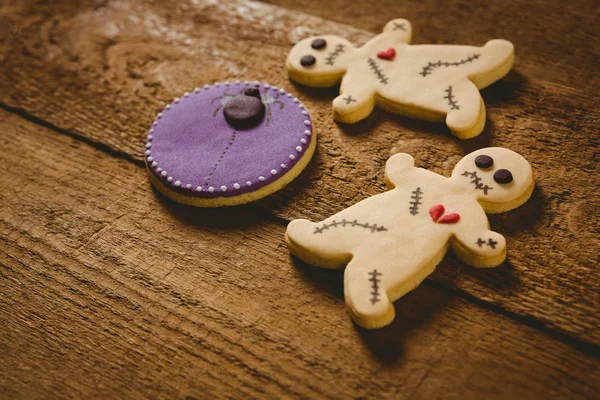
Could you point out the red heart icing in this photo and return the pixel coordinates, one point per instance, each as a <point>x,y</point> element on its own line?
<point>437,215</point>
<point>388,54</point>
<point>436,212</point>
<point>451,218</point>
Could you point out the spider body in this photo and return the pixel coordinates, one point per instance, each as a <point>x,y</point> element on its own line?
<point>266,98</point>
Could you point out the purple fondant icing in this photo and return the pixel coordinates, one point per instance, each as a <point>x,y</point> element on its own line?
<point>194,144</point>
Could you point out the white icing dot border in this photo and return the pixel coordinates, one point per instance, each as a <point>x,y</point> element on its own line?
<point>270,173</point>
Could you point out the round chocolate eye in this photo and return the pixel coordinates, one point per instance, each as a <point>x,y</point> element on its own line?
<point>503,176</point>
<point>307,61</point>
<point>484,161</point>
<point>318,44</point>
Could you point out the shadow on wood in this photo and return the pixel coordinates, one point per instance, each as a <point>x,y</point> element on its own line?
<point>224,218</point>
<point>505,90</point>
<point>523,218</point>
<point>325,279</point>
<point>413,310</point>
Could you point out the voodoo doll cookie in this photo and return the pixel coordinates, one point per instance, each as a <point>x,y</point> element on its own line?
<point>392,241</point>
<point>228,144</point>
<point>430,82</point>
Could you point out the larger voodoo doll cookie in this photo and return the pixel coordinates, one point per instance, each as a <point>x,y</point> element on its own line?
<point>431,82</point>
<point>392,241</point>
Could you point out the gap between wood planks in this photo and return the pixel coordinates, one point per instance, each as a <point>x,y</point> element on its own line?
<point>550,273</point>
<point>268,325</point>
<point>574,342</point>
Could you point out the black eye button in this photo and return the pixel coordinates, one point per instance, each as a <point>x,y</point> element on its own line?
<point>318,44</point>
<point>503,176</point>
<point>484,161</point>
<point>307,61</point>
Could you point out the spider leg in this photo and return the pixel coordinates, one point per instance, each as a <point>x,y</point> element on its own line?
<point>224,95</point>
<point>280,104</point>
<point>217,110</point>
<point>268,115</point>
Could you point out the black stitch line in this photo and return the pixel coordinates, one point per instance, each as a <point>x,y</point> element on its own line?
<point>349,99</point>
<point>332,55</point>
<point>414,208</point>
<point>375,286</point>
<point>427,70</point>
<point>492,243</point>
<point>477,181</point>
<point>377,71</point>
<point>399,26</point>
<point>207,181</point>
<point>354,223</point>
<point>451,102</point>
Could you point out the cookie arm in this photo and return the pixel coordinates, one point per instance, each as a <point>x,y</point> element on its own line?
<point>397,167</point>
<point>400,28</point>
<point>483,249</point>
<point>497,57</point>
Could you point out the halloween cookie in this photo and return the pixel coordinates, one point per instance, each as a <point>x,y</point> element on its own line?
<point>430,82</point>
<point>228,144</point>
<point>392,241</point>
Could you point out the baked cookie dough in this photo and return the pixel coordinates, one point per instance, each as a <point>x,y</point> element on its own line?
<point>391,242</point>
<point>431,82</point>
<point>229,143</point>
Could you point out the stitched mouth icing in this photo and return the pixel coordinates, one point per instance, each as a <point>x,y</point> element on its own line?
<point>477,181</point>
<point>331,56</point>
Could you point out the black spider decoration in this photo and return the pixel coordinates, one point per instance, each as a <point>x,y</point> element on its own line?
<point>264,96</point>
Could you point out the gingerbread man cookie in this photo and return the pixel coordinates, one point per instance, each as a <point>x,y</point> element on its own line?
<point>430,82</point>
<point>392,241</point>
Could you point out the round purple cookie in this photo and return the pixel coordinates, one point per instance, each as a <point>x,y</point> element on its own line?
<point>229,143</point>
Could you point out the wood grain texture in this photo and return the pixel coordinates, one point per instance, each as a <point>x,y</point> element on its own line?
<point>111,292</point>
<point>100,72</point>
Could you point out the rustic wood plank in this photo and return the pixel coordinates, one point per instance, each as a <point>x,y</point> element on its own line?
<point>127,59</point>
<point>107,291</point>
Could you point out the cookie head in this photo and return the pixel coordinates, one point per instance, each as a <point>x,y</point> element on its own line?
<point>500,178</point>
<point>319,61</point>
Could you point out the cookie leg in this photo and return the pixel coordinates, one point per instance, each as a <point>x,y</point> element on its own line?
<point>466,110</point>
<point>377,277</point>
<point>307,241</point>
<point>365,290</point>
<point>353,105</point>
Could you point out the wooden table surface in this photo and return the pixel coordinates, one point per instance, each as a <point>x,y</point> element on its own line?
<point>108,290</point>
